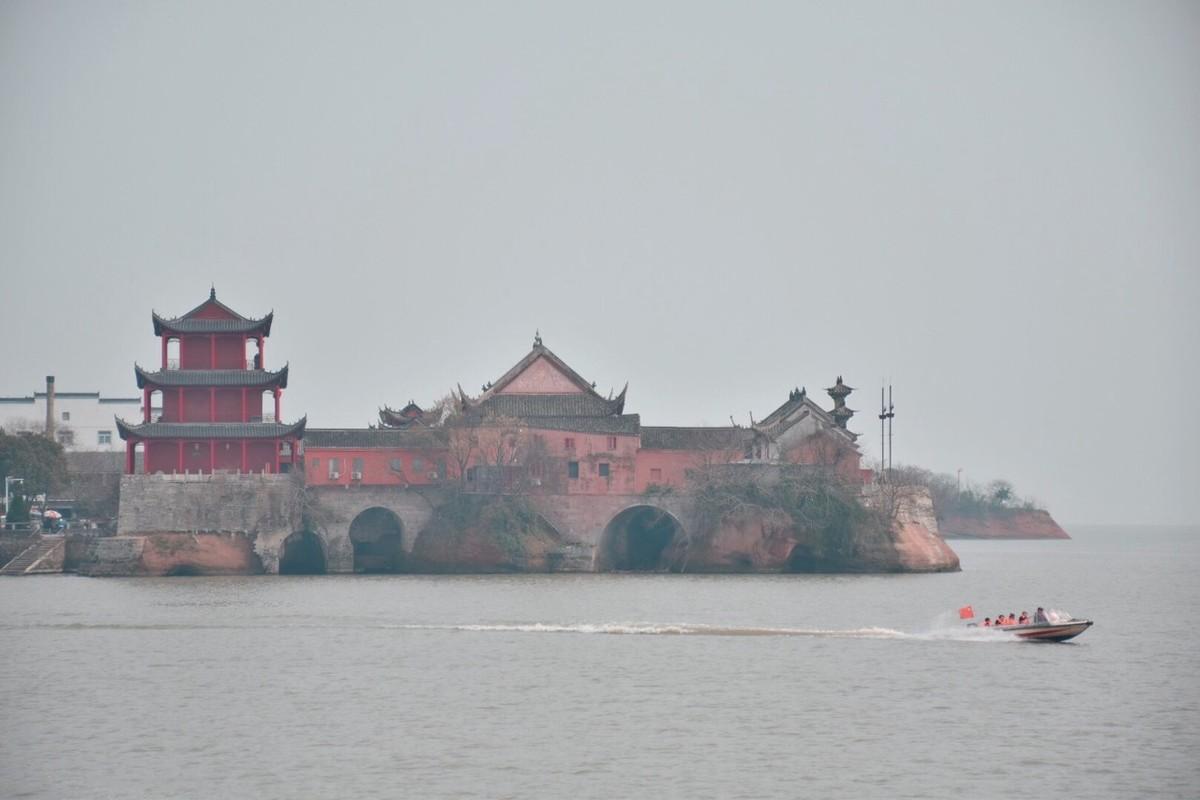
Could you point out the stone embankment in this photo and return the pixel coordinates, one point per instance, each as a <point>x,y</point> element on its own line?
<point>218,525</point>
<point>1002,524</point>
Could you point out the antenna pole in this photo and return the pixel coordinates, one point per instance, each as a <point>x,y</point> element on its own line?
<point>882,435</point>
<point>891,412</point>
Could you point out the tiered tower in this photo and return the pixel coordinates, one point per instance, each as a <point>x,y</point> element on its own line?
<point>213,398</point>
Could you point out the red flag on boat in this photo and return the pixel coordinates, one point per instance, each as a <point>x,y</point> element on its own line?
<point>966,612</point>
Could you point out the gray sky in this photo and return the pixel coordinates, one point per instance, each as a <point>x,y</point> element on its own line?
<point>995,205</point>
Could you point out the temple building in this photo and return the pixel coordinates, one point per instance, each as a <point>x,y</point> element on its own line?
<point>542,427</point>
<point>220,407</point>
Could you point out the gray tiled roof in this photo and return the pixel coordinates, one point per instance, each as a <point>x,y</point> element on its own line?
<point>664,438</point>
<point>211,377</point>
<point>547,405</point>
<point>373,437</point>
<point>199,325</point>
<point>210,430</point>
<point>620,424</point>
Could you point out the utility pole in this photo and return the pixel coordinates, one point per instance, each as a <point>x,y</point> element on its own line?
<point>891,412</point>
<point>882,435</point>
<point>886,412</point>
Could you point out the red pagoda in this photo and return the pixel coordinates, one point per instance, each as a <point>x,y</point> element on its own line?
<point>214,397</point>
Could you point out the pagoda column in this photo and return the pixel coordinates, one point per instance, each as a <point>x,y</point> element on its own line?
<point>146,404</point>
<point>129,460</point>
<point>212,404</point>
<point>212,351</point>
<point>276,393</point>
<point>276,456</point>
<point>180,412</point>
<point>244,417</point>
<point>245,466</point>
<point>244,352</point>
<point>179,457</point>
<point>212,456</point>
<point>164,351</point>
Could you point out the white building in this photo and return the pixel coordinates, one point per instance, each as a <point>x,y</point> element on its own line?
<point>83,421</point>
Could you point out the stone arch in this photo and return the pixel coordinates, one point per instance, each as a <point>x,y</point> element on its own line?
<point>377,538</point>
<point>641,538</point>
<point>302,553</point>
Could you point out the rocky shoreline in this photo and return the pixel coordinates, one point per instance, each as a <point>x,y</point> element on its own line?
<point>1002,524</point>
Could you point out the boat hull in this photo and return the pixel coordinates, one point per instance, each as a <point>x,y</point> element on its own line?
<point>1054,632</point>
<point>1044,632</point>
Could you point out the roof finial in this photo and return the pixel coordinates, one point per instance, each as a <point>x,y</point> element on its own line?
<point>212,293</point>
<point>537,338</point>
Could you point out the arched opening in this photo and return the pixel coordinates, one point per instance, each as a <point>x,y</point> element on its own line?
<point>377,535</point>
<point>268,406</point>
<point>155,414</point>
<point>639,539</point>
<point>253,355</point>
<point>172,353</point>
<point>302,554</point>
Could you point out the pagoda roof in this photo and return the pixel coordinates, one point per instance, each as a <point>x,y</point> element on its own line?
<point>606,406</point>
<point>705,438</point>
<point>404,418</point>
<point>211,430</point>
<point>194,322</point>
<point>211,377</point>
<point>372,437</point>
<point>627,424</point>
<point>527,406</point>
<point>797,407</point>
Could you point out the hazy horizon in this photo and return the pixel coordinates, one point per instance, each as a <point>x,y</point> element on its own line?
<point>994,208</point>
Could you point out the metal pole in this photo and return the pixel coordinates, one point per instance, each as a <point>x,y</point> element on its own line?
<point>891,413</point>
<point>882,436</point>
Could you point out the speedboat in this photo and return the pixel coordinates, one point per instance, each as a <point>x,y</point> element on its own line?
<point>1048,631</point>
<point>1058,631</point>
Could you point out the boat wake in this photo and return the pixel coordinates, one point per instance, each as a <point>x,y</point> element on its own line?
<point>688,629</point>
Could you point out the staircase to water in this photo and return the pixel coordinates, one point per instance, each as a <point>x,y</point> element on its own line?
<point>42,556</point>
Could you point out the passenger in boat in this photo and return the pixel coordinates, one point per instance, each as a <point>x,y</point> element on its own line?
<point>987,622</point>
<point>1040,618</point>
<point>1024,618</point>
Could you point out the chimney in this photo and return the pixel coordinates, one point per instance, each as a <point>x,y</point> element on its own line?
<point>50,407</point>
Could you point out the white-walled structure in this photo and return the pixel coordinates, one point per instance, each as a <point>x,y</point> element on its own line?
<point>83,421</point>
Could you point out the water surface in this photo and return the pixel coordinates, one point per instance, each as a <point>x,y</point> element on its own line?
<point>612,685</point>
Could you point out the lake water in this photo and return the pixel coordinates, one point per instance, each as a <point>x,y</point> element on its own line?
<point>612,685</point>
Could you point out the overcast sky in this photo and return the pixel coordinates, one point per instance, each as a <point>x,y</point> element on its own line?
<point>995,206</point>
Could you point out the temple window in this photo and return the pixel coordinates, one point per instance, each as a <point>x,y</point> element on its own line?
<point>172,353</point>
<point>66,416</point>
<point>568,443</point>
<point>418,465</point>
<point>335,468</point>
<point>397,465</point>
<point>66,437</point>
<point>612,443</point>
<point>572,469</point>
<point>603,470</point>
<point>357,467</point>
<point>104,437</point>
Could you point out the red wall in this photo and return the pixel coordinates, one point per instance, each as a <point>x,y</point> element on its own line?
<point>231,352</point>
<point>229,405</point>
<point>195,352</point>
<point>377,470</point>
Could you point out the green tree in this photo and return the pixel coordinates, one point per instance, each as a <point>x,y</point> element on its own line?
<point>40,461</point>
<point>18,510</point>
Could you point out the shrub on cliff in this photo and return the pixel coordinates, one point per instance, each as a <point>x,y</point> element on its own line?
<point>823,510</point>
<point>952,499</point>
<point>507,520</point>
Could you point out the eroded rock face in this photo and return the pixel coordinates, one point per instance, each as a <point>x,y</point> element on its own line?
<point>1007,524</point>
<point>475,549</point>
<point>902,540</point>
<point>158,554</point>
